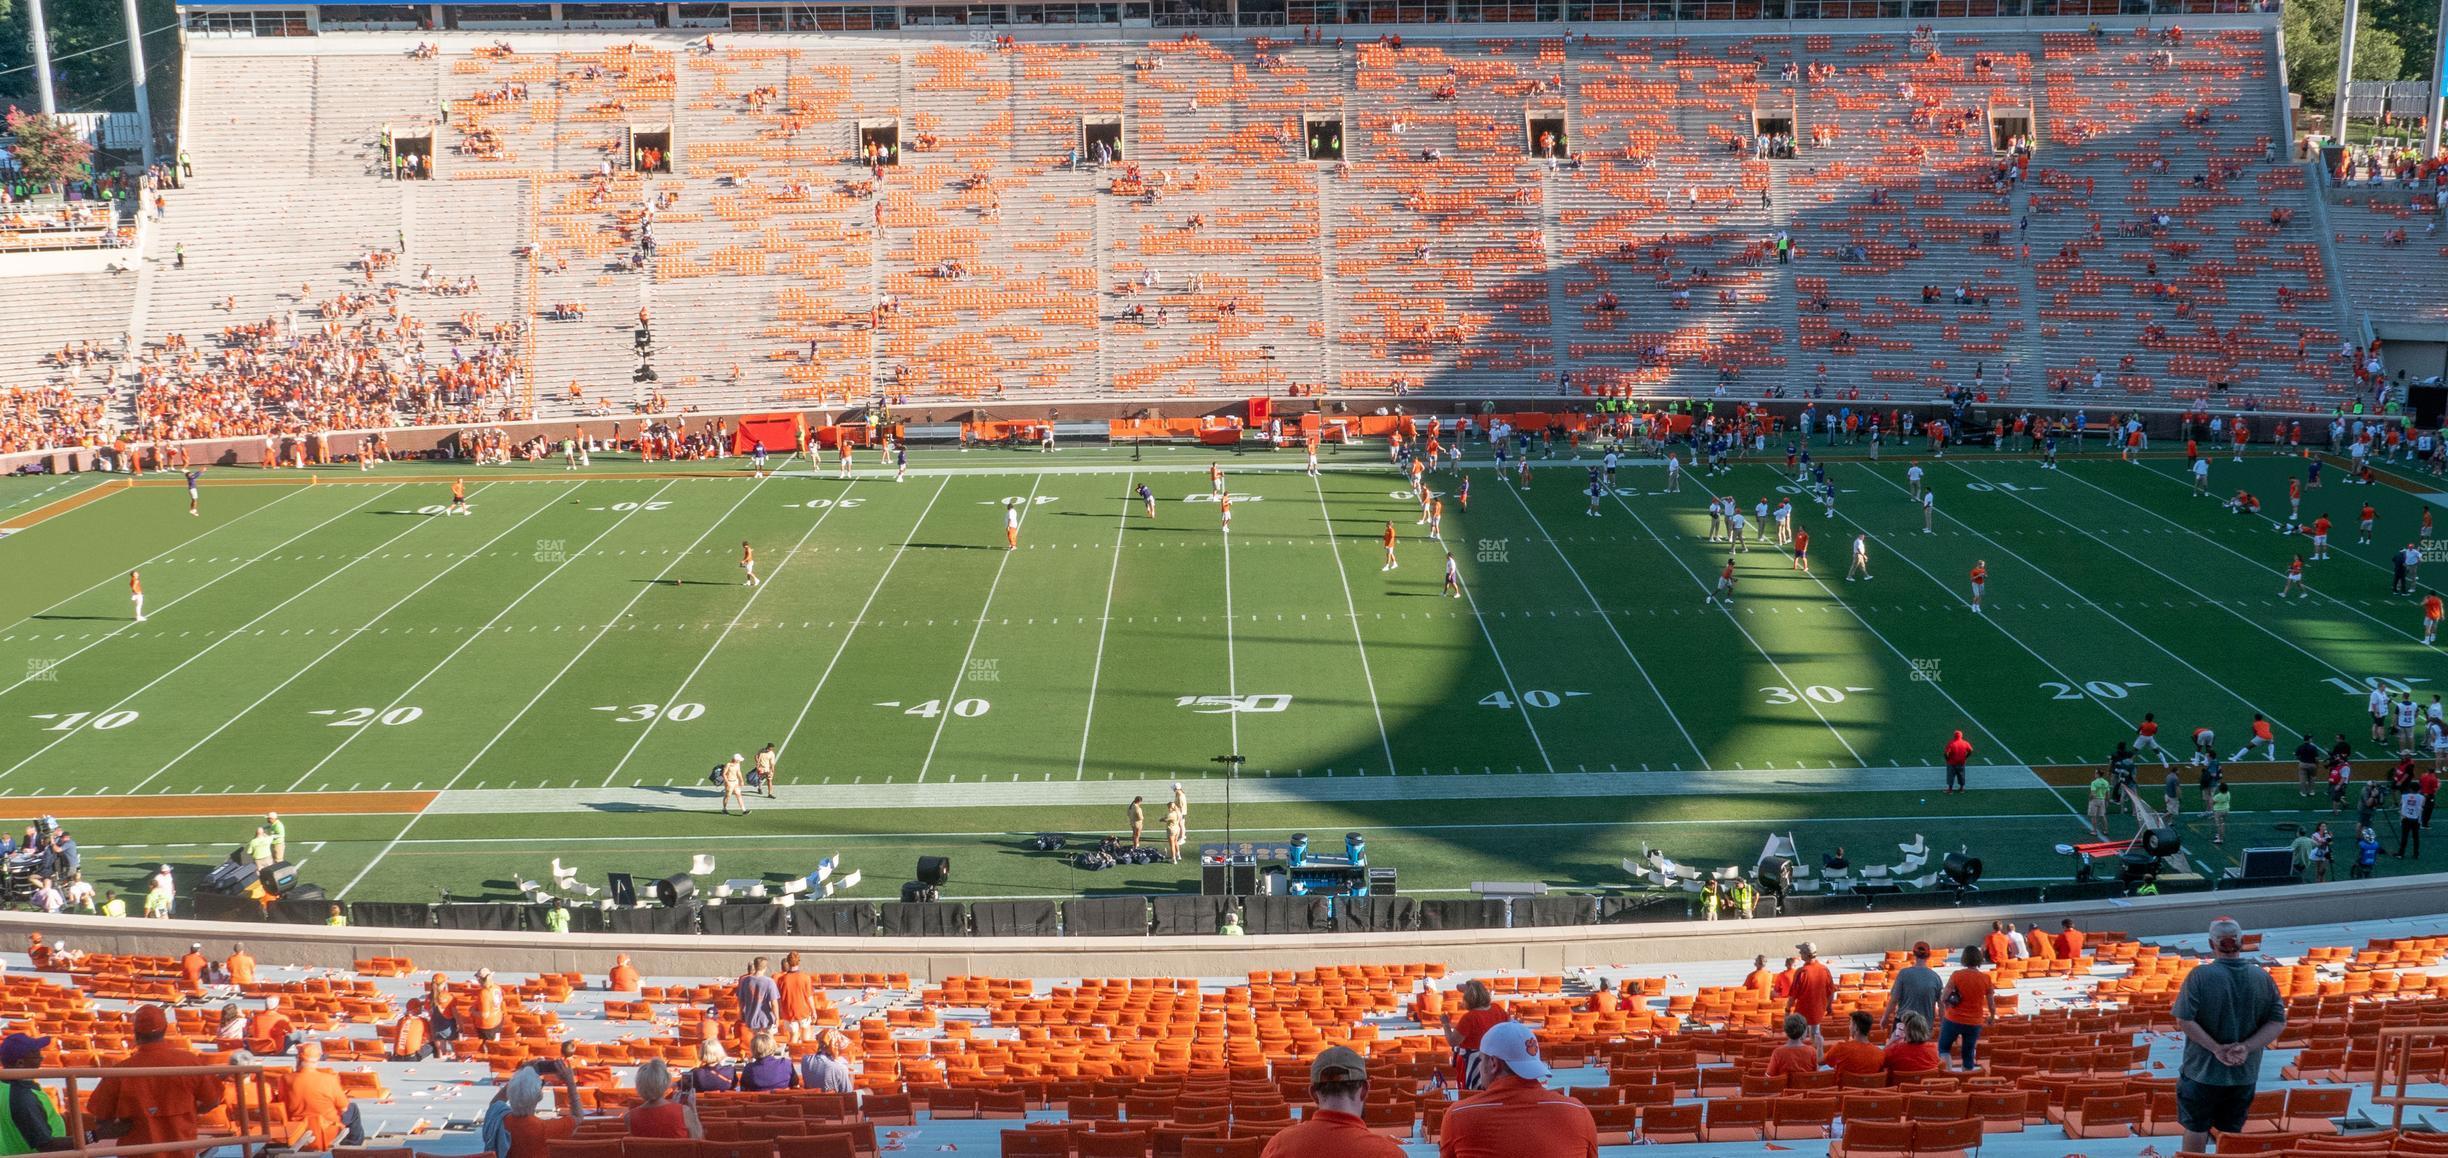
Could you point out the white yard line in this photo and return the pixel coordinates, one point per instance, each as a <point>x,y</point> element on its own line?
<point>2336,529</point>
<point>945,716</point>
<point>1704,586</point>
<point>1351,610</point>
<point>1232,670</point>
<point>1609,622</point>
<point>481,632</point>
<point>592,639</point>
<point>2256,624</point>
<point>344,641</point>
<point>680,692</point>
<point>1096,671</point>
<point>173,550</point>
<point>1502,668</point>
<point>183,596</point>
<point>227,636</point>
<point>855,620</point>
<point>2079,597</point>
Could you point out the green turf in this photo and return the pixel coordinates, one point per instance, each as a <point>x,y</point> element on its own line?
<point>579,635</point>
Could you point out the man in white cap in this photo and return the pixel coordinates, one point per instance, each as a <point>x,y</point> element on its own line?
<point>1338,1083</point>
<point>731,785</point>
<point>1516,1115</point>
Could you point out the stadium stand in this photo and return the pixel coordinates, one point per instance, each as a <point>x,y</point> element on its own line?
<point>1421,243</point>
<point>2082,1055</point>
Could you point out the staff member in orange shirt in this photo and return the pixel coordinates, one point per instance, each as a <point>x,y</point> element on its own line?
<point>1516,1116</point>
<point>1338,1083</point>
<point>142,1111</point>
<point>316,1102</point>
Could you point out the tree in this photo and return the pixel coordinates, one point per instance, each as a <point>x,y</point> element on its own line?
<point>49,151</point>
<point>2311,30</point>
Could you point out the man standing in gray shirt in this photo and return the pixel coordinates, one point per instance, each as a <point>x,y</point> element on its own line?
<point>1916,989</point>
<point>760,1002</point>
<point>2229,1011</point>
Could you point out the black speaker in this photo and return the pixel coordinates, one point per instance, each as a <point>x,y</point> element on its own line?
<point>2164,841</point>
<point>623,888</point>
<point>1963,870</point>
<point>1381,882</point>
<point>935,871</point>
<point>280,877</point>
<point>304,893</point>
<point>1877,889</point>
<point>918,893</point>
<point>232,876</point>
<point>675,890</point>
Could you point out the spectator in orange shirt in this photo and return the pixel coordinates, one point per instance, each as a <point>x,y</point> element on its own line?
<point>1994,946</point>
<point>2043,947</point>
<point>442,1016</point>
<point>1338,1083</point>
<point>1760,980</point>
<point>1516,1116</point>
<point>191,966</point>
<point>269,1032</point>
<point>241,965</point>
<point>796,994</point>
<point>1970,1003</point>
<point>410,1038</point>
<point>1913,1053</point>
<point>316,1103</point>
<point>1858,1054</point>
<point>2070,939</point>
<point>519,1131</point>
<point>1463,1034</point>
<point>489,1007</point>
<point>1812,991</point>
<point>141,1111</point>
<point>1796,1056</point>
<point>624,978</point>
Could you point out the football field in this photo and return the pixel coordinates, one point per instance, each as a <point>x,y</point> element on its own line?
<point>439,702</point>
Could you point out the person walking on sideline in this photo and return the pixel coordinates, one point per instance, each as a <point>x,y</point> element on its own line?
<point>1958,753</point>
<point>136,594</point>
<point>1138,818</point>
<point>2229,1011</point>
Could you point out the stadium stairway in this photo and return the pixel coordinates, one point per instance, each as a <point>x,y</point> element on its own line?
<point>2399,282</point>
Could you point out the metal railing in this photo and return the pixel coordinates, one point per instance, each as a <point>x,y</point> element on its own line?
<point>2397,1050</point>
<point>250,1111</point>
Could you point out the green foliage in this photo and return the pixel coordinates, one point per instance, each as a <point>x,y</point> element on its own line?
<point>49,151</point>
<point>2311,29</point>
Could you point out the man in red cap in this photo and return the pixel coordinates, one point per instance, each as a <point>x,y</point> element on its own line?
<point>1338,1083</point>
<point>1958,754</point>
<point>144,1110</point>
<point>1516,1116</point>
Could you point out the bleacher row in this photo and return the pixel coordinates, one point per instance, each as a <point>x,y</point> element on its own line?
<point>1216,260</point>
<point>1159,1067</point>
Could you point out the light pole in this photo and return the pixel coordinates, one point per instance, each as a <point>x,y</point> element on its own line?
<point>1232,771</point>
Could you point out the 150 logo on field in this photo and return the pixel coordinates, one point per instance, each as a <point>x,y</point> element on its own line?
<point>1221,705</point>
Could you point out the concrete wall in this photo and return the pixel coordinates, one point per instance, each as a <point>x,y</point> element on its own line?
<point>1544,950</point>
